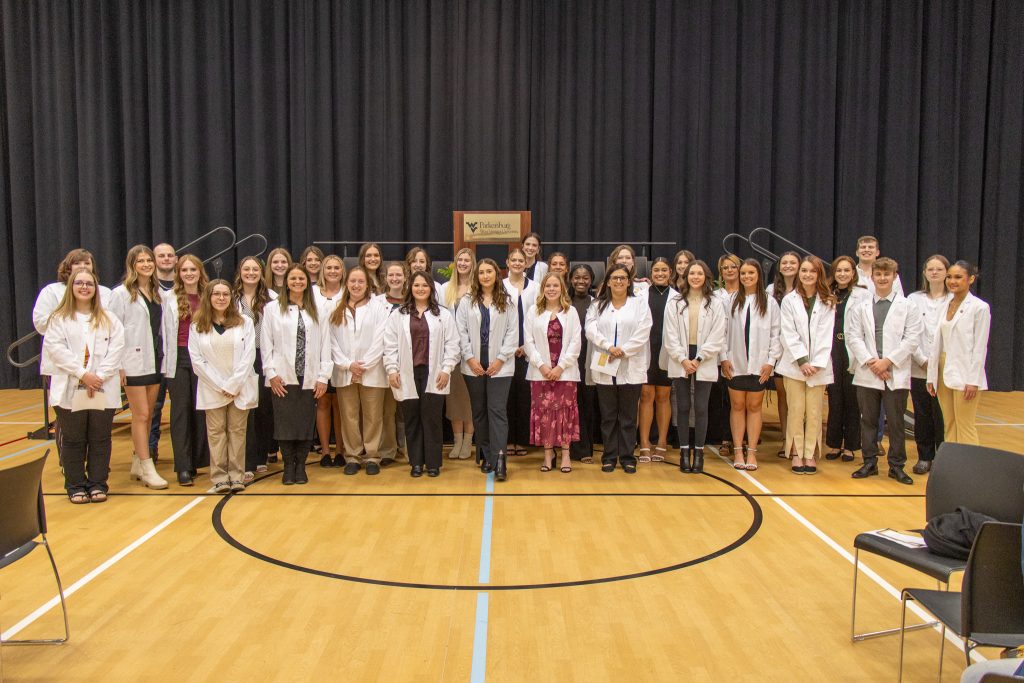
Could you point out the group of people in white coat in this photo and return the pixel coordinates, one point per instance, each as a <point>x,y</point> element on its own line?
<point>539,357</point>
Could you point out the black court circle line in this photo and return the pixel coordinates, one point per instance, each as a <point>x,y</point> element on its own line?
<point>755,525</point>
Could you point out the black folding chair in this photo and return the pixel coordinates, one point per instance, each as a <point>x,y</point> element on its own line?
<point>984,480</point>
<point>990,608</point>
<point>22,521</point>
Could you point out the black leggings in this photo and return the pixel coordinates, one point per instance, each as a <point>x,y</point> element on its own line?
<point>701,394</point>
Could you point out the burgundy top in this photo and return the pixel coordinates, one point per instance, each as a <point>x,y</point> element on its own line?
<point>183,323</point>
<point>420,338</point>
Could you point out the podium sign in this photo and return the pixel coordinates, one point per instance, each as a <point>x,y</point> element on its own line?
<point>472,228</point>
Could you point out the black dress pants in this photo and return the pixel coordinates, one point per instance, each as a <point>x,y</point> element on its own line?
<point>423,423</point>
<point>895,403</point>
<point>519,405</point>
<point>929,429</point>
<point>619,404</point>
<point>188,425</point>
<point>259,430</point>
<point>85,448</point>
<point>586,402</point>
<point>843,428</point>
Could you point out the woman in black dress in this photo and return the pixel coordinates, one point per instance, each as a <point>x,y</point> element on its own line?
<point>656,395</point>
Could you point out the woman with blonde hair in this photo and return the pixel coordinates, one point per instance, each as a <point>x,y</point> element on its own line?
<point>85,346</point>
<point>327,292</point>
<point>279,260</point>
<point>458,408</point>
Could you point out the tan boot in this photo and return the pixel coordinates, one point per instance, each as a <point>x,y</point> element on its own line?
<point>456,450</point>
<point>148,475</point>
<point>467,447</point>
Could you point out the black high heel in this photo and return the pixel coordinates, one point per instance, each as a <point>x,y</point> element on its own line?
<point>698,460</point>
<point>501,468</point>
<point>684,460</point>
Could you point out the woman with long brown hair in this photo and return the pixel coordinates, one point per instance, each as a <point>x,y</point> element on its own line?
<point>370,260</point>
<point>251,297</point>
<point>808,321</point>
<point>188,424</point>
<point>279,260</point>
<point>138,304</point>
<point>222,348</point>
<point>842,431</point>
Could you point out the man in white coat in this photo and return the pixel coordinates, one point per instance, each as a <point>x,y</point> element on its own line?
<point>881,335</point>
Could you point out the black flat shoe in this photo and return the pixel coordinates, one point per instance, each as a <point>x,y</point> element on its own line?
<point>847,456</point>
<point>433,472</point>
<point>608,467</point>
<point>417,471</point>
<point>797,469</point>
<point>866,470</point>
<point>326,460</point>
<point>923,467</point>
<point>184,479</point>
<point>486,468</point>
<point>372,468</point>
<point>339,461</point>
<point>899,475</point>
<point>834,455</point>
<point>810,469</point>
<point>629,469</point>
<point>352,468</point>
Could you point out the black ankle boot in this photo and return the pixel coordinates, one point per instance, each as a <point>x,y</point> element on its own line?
<point>288,478</point>
<point>698,460</point>
<point>300,468</point>
<point>501,467</point>
<point>684,459</point>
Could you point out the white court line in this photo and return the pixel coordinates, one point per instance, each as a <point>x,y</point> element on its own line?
<point>34,422</point>
<point>73,588</point>
<point>870,573</point>
<point>984,424</point>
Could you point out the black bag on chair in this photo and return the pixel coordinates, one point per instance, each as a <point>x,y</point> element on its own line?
<point>952,534</point>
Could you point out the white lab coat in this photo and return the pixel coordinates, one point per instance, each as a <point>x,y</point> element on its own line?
<point>536,343</point>
<point>65,345</point>
<point>47,302</point>
<point>138,358</point>
<point>277,346</point>
<point>327,305</point>
<point>765,346</point>
<point>504,334</point>
<point>675,341</point>
<point>967,348</point>
<point>443,351</point>
<point>802,337</point>
<point>242,381</point>
<point>900,336</point>
<point>634,324</point>
<point>929,310</point>
<point>361,339</point>
<point>528,295</point>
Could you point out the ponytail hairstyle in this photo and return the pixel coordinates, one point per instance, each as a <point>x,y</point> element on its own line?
<point>204,317</point>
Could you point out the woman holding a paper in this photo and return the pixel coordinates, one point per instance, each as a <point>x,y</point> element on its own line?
<point>618,328</point>
<point>85,345</point>
<point>695,324</point>
<point>222,348</point>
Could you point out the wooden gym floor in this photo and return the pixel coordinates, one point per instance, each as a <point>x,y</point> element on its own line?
<point>587,576</point>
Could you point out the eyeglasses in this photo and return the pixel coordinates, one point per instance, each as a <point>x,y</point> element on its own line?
<point>83,283</point>
<point>618,278</point>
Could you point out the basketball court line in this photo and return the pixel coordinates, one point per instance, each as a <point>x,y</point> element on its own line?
<point>85,580</point>
<point>478,672</point>
<point>20,410</point>
<point>845,554</point>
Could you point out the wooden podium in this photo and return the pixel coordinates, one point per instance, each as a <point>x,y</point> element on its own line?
<point>472,228</point>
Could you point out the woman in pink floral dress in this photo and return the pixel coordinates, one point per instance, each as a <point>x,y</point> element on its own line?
<point>552,339</point>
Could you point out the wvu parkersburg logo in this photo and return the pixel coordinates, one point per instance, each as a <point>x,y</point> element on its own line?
<point>472,226</point>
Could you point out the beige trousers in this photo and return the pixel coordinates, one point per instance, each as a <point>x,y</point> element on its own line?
<point>958,414</point>
<point>362,420</point>
<point>803,425</point>
<point>225,430</point>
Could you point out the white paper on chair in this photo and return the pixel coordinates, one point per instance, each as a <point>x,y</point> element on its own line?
<point>904,538</point>
<point>603,363</point>
<point>82,401</point>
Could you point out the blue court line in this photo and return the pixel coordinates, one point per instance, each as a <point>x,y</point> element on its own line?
<point>19,410</point>
<point>479,671</point>
<point>26,450</point>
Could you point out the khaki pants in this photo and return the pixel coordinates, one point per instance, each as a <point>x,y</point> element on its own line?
<point>362,420</point>
<point>225,430</point>
<point>392,436</point>
<point>803,425</point>
<point>958,414</point>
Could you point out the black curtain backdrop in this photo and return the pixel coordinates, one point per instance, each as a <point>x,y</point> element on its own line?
<point>136,121</point>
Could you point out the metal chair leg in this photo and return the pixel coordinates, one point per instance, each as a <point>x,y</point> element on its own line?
<point>63,607</point>
<point>903,623</point>
<point>854,636</point>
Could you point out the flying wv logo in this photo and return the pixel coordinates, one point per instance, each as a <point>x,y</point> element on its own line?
<point>472,226</point>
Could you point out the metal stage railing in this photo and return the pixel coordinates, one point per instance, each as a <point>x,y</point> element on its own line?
<point>44,431</point>
<point>358,243</point>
